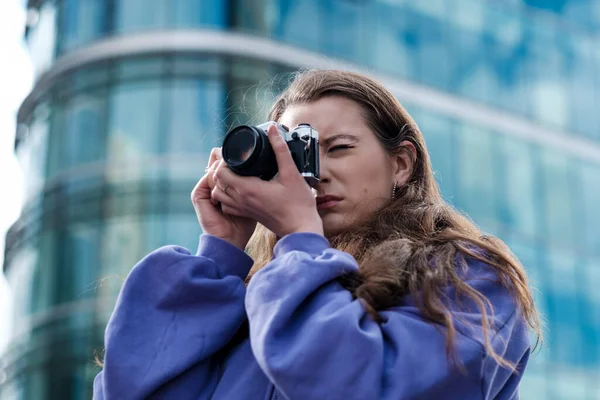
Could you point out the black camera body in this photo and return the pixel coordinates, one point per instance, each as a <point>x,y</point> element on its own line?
<point>248,152</point>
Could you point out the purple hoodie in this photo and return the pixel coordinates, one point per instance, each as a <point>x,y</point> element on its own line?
<point>186,327</point>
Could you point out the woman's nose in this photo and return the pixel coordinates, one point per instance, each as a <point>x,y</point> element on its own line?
<point>323,170</point>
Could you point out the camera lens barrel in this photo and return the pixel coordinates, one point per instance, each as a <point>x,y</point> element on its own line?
<point>247,152</point>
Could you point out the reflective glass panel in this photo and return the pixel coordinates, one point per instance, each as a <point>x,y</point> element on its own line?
<point>196,125</point>
<point>519,205</point>
<point>546,67</point>
<point>85,129</point>
<point>81,21</point>
<point>136,15</point>
<point>557,192</point>
<point>32,152</point>
<point>293,26</point>
<point>134,133</point>
<point>478,189</point>
<point>81,262</point>
<point>439,138</point>
<point>188,13</point>
<point>589,176</point>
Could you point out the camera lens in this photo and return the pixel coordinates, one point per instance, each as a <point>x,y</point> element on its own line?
<point>239,145</point>
<point>247,152</point>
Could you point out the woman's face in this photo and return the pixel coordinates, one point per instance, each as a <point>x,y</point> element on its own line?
<point>357,173</point>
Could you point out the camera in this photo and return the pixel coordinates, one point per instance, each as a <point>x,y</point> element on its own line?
<point>248,152</point>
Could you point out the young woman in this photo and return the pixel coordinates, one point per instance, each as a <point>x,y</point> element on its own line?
<point>376,289</point>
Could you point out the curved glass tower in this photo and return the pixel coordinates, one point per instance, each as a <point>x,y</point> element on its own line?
<point>131,95</point>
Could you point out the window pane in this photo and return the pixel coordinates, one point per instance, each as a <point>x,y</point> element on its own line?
<point>183,230</point>
<point>426,29</point>
<point>468,14</point>
<point>195,125</point>
<point>392,42</point>
<point>37,384</point>
<point>195,120</point>
<point>347,35</point>
<point>135,130</point>
<point>557,190</point>
<point>82,21</point>
<point>518,208</point>
<point>567,383</point>
<point>470,74</point>
<point>84,195</point>
<point>290,28</point>
<point>536,272</point>
<point>584,99</point>
<point>249,102</point>
<point>534,384</point>
<point>535,264</point>
<point>476,171</point>
<point>23,268</point>
<point>81,263</point>
<point>43,287</point>
<point>125,241</point>
<point>590,197</point>
<point>262,17</point>
<point>84,139</point>
<point>186,13</point>
<point>590,278</point>
<point>546,66</point>
<point>505,56</point>
<point>55,139</point>
<point>438,135</point>
<point>33,150</point>
<point>122,248</point>
<point>134,15</point>
<point>564,320</point>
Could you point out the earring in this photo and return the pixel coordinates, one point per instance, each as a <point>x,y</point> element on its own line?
<point>394,189</point>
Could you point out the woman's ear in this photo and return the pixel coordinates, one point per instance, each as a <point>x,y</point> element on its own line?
<point>404,162</point>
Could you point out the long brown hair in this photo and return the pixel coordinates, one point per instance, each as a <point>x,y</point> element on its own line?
<point>411,245</point>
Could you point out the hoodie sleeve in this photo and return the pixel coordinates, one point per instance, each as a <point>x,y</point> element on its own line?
<point>175,311</point>
<point>314,341</point>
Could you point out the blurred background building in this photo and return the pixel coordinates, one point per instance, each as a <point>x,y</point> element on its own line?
<point>131,95</point>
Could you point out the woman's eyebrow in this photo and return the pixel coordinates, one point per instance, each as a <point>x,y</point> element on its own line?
<point>332,138</point>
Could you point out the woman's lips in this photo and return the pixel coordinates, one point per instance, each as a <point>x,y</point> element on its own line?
<point>327,202</point>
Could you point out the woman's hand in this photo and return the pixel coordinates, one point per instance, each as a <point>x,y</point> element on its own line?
<point>284,204</point>
<point>213,220</point>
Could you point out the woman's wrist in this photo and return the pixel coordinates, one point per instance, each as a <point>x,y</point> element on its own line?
<point>240,244</point>
<point>309,226</point>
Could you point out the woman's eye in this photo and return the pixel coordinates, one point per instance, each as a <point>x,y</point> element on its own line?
<point>340,147</point>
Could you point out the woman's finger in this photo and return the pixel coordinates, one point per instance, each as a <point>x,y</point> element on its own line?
<point>215,154</point>
<point>222,195</point>
<point>214,160</point>
<point>237,186</point>
<point>285,163</point>
<point>201,191</point>
<point>205,184</point>
<point>232,211</point>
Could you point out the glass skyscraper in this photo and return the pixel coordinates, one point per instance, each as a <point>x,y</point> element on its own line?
<point>131,95</point>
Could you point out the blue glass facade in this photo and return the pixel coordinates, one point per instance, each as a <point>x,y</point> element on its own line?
<point>526,58</point>
<point>112,148</point>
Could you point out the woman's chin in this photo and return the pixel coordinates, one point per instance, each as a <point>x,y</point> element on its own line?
<point>337,224</point>
<point>331,230</point>
<point>334,225</point>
